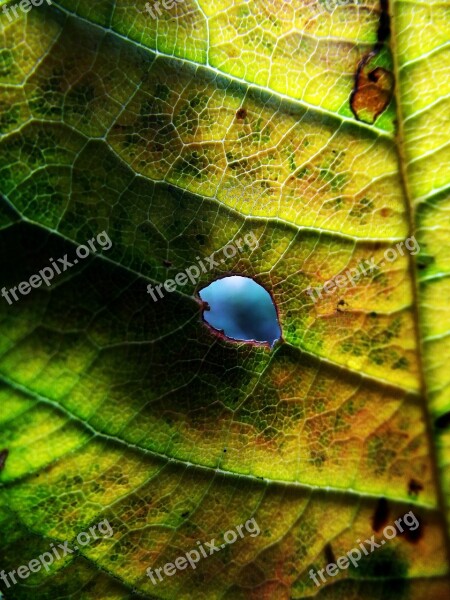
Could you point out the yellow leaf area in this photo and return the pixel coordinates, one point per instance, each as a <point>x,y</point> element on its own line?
<point>424,85</point>
<point>300,48</point>
<point>178,136</point>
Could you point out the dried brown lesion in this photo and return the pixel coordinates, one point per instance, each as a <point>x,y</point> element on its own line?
<point>372,94</point>
<point>374,85</point>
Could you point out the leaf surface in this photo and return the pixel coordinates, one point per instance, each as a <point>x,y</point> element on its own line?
<point>177,136</point>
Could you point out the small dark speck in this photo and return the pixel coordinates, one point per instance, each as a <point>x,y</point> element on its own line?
<point>185,514</point>
<point>372,314</point>
<point>167,263</point>
<point>224,449</point>
<point>443,422</point>
<point>414,487</point>
<point>339,304</point>
<point>241,113</point>
<point>3,456</point>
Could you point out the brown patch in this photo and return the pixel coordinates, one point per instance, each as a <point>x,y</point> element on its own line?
<point>339,304</point>
<point>3,456</point>
<point>381,515</point>
<point>372,92</point>
<point>414,487</point>
<point>240,165</point>
<point>373,88</point>
<point>241,113</point>
<point>384,212</point>
<point>413,536</point>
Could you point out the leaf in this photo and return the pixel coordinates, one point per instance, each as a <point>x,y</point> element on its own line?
<point>176,135</point>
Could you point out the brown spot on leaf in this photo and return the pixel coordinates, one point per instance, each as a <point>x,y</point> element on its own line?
<point>414,487</point>
<point>3,456</point>
<point>413,535</point>
<point>372,92</point>
<point>167,263</point>
<point>340,304</point>
<point>374,87</point>
<point>241,113</point>
<point>381,515</point>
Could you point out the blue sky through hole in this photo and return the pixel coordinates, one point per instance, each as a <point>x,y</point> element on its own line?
<point>242,309</point>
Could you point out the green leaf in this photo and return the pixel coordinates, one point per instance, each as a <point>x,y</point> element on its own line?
<point>309,127</point>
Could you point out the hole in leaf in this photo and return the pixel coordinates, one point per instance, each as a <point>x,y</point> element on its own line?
<point>241,309</point>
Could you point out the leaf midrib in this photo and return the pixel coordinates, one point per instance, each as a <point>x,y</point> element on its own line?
<point>410,213</point>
